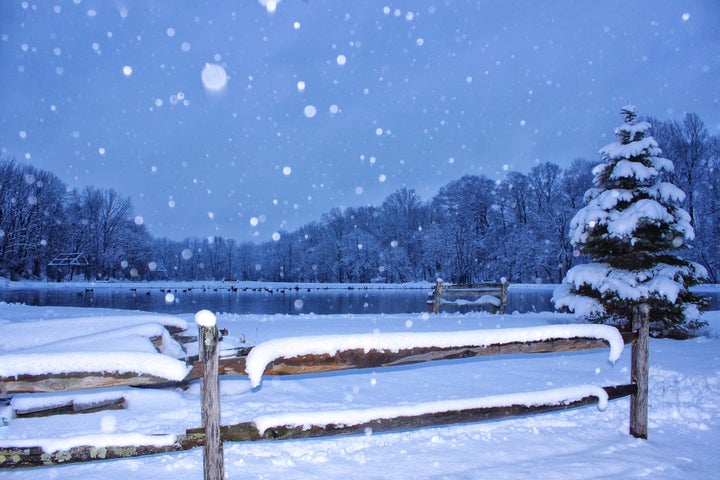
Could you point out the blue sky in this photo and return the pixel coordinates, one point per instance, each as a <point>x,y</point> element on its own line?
<point>331,103</point>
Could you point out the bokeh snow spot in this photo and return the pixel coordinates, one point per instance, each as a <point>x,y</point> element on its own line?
<point>214,77</point>
<point>270,5</point>
<point>310,111</point>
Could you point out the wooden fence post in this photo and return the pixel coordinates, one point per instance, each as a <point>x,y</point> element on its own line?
<point>437,293</point>
<point>640,372</point>
<point>208,350</point>
<point>504,295</point>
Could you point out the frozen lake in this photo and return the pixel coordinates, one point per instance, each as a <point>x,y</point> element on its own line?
<point>266,299</point>
<point>259,299</point>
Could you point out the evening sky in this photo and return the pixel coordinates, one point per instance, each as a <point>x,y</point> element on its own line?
<point>325,103</point>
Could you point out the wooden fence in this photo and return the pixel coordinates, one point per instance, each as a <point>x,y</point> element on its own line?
<point>211,435</point>
<point>492,295</point>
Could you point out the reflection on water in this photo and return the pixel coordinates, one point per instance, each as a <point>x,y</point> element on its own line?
<point>316,300</point>
<point>530,301</point>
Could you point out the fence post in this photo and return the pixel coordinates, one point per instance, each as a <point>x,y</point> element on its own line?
<point>437,293</point>
<point>640,372</point>
<point>208,350</point>
<point>504,296</point>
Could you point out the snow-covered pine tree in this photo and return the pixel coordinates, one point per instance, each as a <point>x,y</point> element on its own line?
<point>631,229</point>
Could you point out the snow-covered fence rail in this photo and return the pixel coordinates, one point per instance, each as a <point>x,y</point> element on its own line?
<point>312,354</point>
<point>330,353</point>
<point>147,355</point>
<point>493,295</point>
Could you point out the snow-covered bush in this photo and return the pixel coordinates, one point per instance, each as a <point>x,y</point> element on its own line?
<point>631,228</point>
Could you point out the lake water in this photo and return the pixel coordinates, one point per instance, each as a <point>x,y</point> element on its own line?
<point>319,300</point>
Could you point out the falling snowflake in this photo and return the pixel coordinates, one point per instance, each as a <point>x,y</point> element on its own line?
<point>214,77</point>
<point>310,111</point>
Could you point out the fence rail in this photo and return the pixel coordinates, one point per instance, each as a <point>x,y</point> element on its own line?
<point>360,358</point>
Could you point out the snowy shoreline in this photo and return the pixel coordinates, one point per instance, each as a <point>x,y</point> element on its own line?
<point>684,405</point>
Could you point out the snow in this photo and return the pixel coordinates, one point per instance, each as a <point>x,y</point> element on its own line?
<point>628,169</point>
<point>13,365</point>
<point>134,338</point>
<point>581,305</point>
<point>99,440</point>
<point>558,396</point>
<point>630,150</point>
<point>482,300</point>
<point>630,285</point>
<point>633,129</point>
<point>205,318</point>
<point>270,5</point>
<point>263,354</point>
<point>608,200</point>
<point>214,77</point>
<point>662,164</point>
<point>624,223</point>
<point>43,400</point>
<point>39,331</point>
<point>666,192</point>
<point>684,415</point>
<point>113,343</point>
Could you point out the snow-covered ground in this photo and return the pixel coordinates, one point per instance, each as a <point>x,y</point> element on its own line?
<point>684,427</point>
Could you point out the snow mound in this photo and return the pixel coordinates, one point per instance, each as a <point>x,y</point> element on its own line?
<point>15,364</point>
<point>26,334</point>
<point>122,343</point>
<point>690,397</point>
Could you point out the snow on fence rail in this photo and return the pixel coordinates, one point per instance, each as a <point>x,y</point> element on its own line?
<point>493,295</point>
<point>329,346</point>
<point>333,352</point>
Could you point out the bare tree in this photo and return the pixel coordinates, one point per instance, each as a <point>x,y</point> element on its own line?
<point>31,219</point>
<point>105,216</point>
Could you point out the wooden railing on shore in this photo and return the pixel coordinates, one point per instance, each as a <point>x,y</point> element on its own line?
<point>487,294</point>
<point>211,435</point>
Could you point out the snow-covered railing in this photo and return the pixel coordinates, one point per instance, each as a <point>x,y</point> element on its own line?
<point>492,295</point>
<point>336,352</point>
<point>339,349</point>
<point>49,357</point>
<point>333,352</point>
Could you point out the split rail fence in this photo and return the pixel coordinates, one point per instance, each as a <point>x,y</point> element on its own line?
<point>492,295</point>
<point>212,435</point>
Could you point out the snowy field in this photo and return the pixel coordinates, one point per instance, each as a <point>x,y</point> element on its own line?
<point>684,427</point>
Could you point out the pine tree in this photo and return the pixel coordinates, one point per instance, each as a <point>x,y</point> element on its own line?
<point>631,228</point>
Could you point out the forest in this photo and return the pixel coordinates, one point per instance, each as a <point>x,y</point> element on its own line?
<point>473,229</point>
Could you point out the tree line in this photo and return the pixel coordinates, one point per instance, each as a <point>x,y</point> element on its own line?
<point>474,229</point>
<point>41,218</point>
